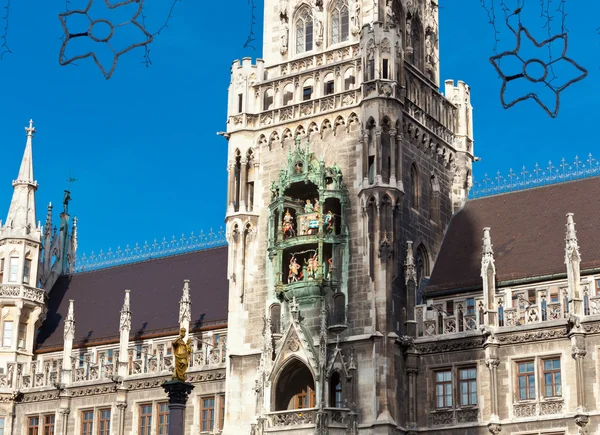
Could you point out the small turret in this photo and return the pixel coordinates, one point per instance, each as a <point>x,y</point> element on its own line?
<point>185,308</point>
<point>488,275</point>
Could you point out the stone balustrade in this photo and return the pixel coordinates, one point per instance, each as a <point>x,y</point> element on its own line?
<point>22,291</point>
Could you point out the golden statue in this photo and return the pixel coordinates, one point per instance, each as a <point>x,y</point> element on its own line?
<point>181,351</point>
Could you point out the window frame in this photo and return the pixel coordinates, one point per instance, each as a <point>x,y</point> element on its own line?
<point>167,416</point>
<point>13,269</point>
<point>443,383</point>
<point>51,425</point>
<point>142,416</point>
<point>84,422</point>
<point>555,385</point>
<point>101,420</point>
<point>469,382</point>
<point>455,386</point>
<point>529,375</point>
<point>337,12</point>
<point>307,42</point>
<point>10,337</point>
<point>204,420</point>
<point>35,428</point>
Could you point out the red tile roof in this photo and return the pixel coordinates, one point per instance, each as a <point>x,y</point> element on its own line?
<point>528,234</point>
<point>156,288</point>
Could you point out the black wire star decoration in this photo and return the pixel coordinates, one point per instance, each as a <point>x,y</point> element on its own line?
<point>543,78</point>
<point>106,40</point>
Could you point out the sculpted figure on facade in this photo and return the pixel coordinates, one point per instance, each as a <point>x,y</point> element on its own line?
<point>295,270</point>
<point>355,16</point>
<point>390,17</point>
<point>285,30</point>
<point>288,225</point>
<point>182,351</point>
<point>317,16</point>
<point>283,9</point>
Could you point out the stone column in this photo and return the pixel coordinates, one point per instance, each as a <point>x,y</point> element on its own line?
<point>412,395</point>
<point>578,352</point>
<point>399,143</point>
<point>243,186</point>
<point>121,406</point>
<point>393,157</point>
<point>231,189</point>
<point>365,157</point>
<point>492,364</point>
<point>178,392</point>
<point>64,420</point>
<point>378,155</point>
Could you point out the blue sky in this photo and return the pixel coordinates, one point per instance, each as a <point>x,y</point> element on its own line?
<point>143,147</point>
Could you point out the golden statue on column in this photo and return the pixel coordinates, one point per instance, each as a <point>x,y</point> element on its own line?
<point>181,351</point>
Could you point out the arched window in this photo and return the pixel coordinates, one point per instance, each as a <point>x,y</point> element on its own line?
<point>415,188</point>
<point>416,42</point>
<point>340,22</point>
<point>335,391</point>
<point>349,80</point>
<point>328,84</point>
<point>295,387</point>
<point>268,99</point>
<point>304,31</point>
<point>434,211</point>
<point>275,315</point>
<point>288,94</point>
<point>422,264</point>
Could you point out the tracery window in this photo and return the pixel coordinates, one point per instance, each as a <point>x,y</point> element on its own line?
<point>415,187</point>
<point>422,264</point>
<point>304,32</point>
<point>340,22</point>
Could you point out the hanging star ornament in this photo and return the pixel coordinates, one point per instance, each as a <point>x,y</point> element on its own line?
<point>89,33</point>
<point>537,80</point>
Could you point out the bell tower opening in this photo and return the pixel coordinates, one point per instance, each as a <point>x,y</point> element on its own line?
<point>295,387</point>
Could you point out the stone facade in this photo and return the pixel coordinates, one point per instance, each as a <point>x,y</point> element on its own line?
<point>344,111</point>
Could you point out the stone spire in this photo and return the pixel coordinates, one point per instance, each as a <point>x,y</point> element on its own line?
<point>572,261</point>
<point>410,270</point>
<point>185,308</point>
<point>21,219</point>
<point>488,275</point>
<point>69,336</point>
<point>124,328</point>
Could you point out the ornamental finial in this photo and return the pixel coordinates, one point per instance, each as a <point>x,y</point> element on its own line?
<point>31,129</point>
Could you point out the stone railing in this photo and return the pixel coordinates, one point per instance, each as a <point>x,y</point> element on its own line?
<point>338,416</point>
<point>294,417</point>
<point>105,366</point>
<point>535,409</point>
<point>315,106</point>
<point>310,62</point>
<point>453,417</point>
<point>22,291</point>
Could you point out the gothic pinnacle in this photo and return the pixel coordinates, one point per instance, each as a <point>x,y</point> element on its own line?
<point>487,242</point>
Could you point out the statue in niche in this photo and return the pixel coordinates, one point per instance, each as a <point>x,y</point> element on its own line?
<point>330,271</point>
<point>318,24</point>
<point>329,222</point>
<point>284,37</point>
<point>295,274</point>
<point>312,265</point>
<point>355,16</point>
<point>429,50</point>
<point>308,207</point>
<point>298,168</point>
<point>288,225</point>
<point>317,206</point>
<point>182,351</point>
<point>389,14</point>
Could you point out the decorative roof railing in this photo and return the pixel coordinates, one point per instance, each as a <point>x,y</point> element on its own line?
<point>148,251</point>
<point>539,176</point>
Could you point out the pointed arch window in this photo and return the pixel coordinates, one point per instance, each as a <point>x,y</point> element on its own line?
<point>295,387</point>
<point>422,264</point>
<point>275,314</point>
<point>340,22</point>
<point>335,391</point>
<point>415,192</point>
<point>304,31</point>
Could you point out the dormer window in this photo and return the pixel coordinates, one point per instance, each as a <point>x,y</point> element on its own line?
<point>304,32</point>
<point>14,269</point>
<point>340,22</point>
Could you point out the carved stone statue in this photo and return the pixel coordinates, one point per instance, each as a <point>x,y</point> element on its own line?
<point>429,50</point>
<point>318,23</point>
<point>66,200</point>
<point>329,220</point>
<point>182,351</point>
<point>285,28</point>
<point>390,17</point>
<point>355,16</point>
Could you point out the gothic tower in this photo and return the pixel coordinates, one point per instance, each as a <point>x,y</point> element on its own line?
<point>345,166</point>
<point>25,254</point>
<point>21,301</point>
